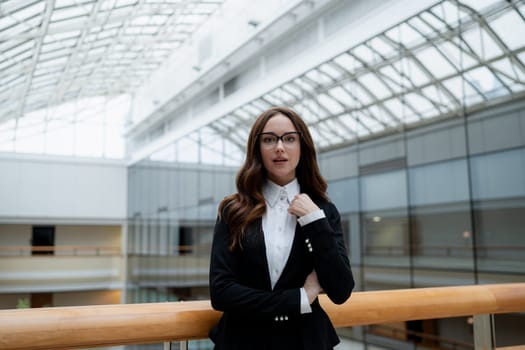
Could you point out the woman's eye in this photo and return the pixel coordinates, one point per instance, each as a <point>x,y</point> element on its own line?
<point>268,139</point>
<point>290,138</point>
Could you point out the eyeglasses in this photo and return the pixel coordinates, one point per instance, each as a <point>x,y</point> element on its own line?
<point>270,140</point>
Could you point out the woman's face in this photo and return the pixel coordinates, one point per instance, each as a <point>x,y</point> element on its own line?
<point>280,156</point>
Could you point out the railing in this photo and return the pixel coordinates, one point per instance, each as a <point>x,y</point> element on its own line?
<point>81,250</point>
<point>111,325</point>
<point>483,251</point>
<point>506,252</point>
<point>175,250</point>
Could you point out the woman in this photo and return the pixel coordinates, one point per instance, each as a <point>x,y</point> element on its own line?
<point>277,243</point>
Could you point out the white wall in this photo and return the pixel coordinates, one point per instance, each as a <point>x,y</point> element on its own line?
<point>15,235</point>
<point>61,189</point>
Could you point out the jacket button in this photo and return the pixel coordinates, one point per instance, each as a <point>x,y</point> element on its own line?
<point>276,318</point>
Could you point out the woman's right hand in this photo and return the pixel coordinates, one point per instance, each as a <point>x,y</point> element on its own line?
<point>312,286</point>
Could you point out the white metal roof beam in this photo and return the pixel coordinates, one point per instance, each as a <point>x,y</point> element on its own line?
<point>507,52</point>
<point>373,97</point>
<point>299,99</point>
<point>433,80</point>
<point>161,34</point>
<point>74,59</point>
<point>36,53</point>
<point>501,44</point>
<point>228,136</point>
<point>335,119</point>
<point>350,109</point>
<point>235,127</point>
<point>315,100</point>
<point>416,90</point>
<point>313,97</point>
<point>10,7</point>
<point>432,41</point>
<point>382,78</point>
<point>196,137</point>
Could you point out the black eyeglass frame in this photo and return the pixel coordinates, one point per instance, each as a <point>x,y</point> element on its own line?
<point>280,137</point>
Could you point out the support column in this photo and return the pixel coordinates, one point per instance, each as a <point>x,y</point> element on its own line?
<point>484,332</point>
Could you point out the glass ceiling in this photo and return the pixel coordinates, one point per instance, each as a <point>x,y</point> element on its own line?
<point>450,59</point>
<point>67,68</point>
<point>57,51</point>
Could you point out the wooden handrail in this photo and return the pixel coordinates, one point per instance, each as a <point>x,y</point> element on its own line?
<point>110,325</point>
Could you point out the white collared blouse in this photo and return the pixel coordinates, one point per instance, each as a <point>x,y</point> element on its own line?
<point>279,229</point>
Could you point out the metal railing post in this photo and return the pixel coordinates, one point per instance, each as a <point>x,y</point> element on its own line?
<point>484,337</point>
<point>183,345</point>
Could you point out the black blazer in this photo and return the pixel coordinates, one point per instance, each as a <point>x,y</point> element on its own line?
<point>257,317</point>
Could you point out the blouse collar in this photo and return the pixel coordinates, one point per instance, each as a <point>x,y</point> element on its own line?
<point>272,191</point>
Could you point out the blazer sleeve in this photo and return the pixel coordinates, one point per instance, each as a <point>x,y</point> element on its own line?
<point>228,293</point>
<point>324,240</point>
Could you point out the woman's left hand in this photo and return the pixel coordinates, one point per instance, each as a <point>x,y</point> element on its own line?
<point>301,205</point>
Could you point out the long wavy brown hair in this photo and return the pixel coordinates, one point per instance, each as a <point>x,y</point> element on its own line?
<point>247,205</point>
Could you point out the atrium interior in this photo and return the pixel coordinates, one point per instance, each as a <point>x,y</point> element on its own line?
<point>123,124</point>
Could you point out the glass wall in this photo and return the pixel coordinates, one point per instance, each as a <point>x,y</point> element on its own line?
<point>498,189</point>
<point>438,205</point>
<point>172,211</point>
